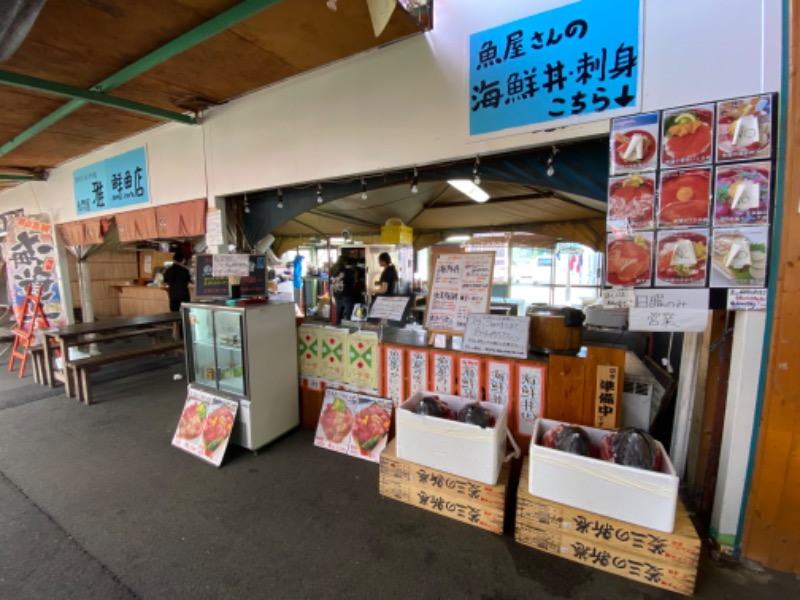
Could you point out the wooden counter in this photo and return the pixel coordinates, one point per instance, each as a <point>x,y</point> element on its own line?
<point>141,299</point>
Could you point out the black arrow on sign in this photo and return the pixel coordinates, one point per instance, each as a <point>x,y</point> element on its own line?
<point>624,98</point>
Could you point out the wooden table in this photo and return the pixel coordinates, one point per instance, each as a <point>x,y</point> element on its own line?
<point>107,330</point>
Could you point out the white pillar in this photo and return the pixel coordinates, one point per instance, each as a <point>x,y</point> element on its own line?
<point>748,345</point>
<point>687,386</point>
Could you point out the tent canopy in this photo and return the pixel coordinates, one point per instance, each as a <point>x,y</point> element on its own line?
<point>568,204</point>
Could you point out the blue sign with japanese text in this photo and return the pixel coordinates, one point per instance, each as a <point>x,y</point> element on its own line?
<point>112,183</point>
<point>578,60</point>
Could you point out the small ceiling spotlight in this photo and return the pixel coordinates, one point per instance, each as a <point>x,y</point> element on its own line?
<point>280,199</point>
<point>415,182</point>
<point>319,193</point>
<point>363,189</point>
<point>476,173</point>
<point>551,168</point>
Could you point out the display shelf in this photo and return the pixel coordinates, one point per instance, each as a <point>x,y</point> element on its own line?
<point>222,346</point>
<point>232,384</point>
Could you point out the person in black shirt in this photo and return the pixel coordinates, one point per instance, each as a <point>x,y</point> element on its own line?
<point>343,288</point>
<point>387,284</point>
<point>178,277</point>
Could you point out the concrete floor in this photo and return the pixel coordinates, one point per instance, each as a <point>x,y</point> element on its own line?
<point>96,504</point>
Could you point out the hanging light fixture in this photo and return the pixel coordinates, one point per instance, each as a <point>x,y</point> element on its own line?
<point>319,193</point>
<point>415,182</point>
<point>476,174</point>
<point>551,168</point>
<point>280,199</point>
<point>363,189</point>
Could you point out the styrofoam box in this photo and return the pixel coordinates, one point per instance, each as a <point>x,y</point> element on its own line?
<point>638,496</point>
<point>458,448</point>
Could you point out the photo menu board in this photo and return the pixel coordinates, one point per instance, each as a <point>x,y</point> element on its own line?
<point>690,196</point>
<point>461,285</point>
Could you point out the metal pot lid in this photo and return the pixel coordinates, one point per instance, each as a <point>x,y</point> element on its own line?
<point>573,317</point>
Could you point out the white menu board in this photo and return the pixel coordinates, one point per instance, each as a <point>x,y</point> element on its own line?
<point>461,285</point>
<point>500,335</point>
<point>391,308</point>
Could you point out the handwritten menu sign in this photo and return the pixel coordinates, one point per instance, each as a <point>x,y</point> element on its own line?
<point>391,308</point>
<point>498,335</point>
<point>230,264</point>
<point>669,310</point>
<point>461,285</point>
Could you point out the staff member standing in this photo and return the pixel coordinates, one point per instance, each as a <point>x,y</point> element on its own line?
<point>387,284</point>
<point>178,277</point>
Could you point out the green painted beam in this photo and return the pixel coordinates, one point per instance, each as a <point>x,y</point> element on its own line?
<point>6,177</point>
<point>59,89</point>
<point>209,29</point>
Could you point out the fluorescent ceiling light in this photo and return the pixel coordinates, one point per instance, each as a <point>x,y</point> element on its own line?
<point>466,187</point>
<point>457,238</point>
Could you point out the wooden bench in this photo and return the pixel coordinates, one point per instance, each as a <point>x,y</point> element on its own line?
<point>83,367</point>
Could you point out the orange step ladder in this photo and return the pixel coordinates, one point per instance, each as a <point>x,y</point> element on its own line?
<point>27,323</point>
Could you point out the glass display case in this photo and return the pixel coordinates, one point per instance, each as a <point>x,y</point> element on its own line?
<point>217,357</point>
<point>246,353</point>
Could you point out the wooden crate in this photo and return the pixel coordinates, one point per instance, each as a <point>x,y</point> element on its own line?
<point>667,561</point>
<point>458,498</point>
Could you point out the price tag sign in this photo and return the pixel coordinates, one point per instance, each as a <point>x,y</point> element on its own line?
<point>618,298</point>
<point>747,299</point>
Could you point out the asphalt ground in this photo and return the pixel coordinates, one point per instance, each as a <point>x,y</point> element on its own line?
<point>96,503</point>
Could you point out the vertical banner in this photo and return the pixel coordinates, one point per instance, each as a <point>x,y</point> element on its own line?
<point>529,398</point>
<point>363,363</point>
<point>417,370</point>
<point>498,381</point>
<point>606,409</point>
<point>308,343</point>
<point>575,63</point>
<point>394,373</point>
<point>30,256</point>
<point>333,349</point>
<point>470,377</point>
<point>443,372</point>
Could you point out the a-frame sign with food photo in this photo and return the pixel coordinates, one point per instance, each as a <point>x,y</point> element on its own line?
<point>354,424</point>
<point>205,425</point>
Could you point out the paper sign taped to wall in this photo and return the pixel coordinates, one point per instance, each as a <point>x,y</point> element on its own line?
<point>231,264</point>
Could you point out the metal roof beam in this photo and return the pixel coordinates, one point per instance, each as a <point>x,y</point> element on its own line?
<point>199,34</point>
<point>60,89</point>
<point>6,177</point>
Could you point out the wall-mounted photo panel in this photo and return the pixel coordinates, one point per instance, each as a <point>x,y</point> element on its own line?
<point>687,136</point>
<point>742,194</point>
<point>630,259</point>
<point>682,258</point>
<point>634,144</point>
<point>744,128</point>
<point>631,202</point>
<point>739,257</point>
<point>684,198</point>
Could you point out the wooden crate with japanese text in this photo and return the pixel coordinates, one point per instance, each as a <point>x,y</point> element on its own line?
<point>666,561</point>
<point>458,498</point>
